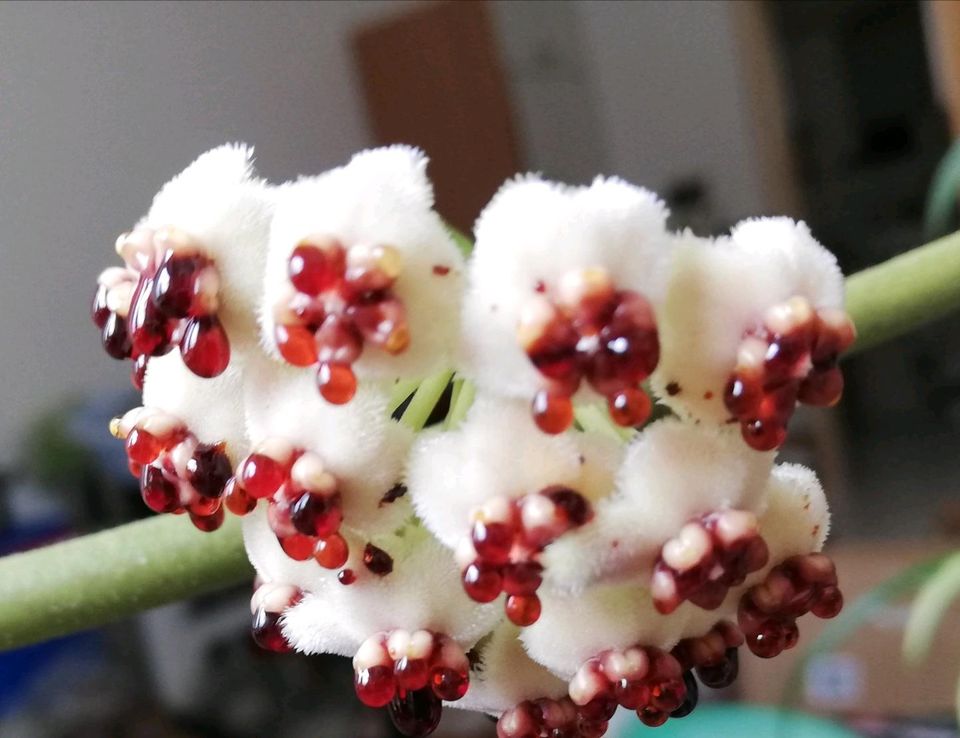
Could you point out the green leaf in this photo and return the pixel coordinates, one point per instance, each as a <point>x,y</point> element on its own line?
<point>928,609</point>
<point>940,215</point>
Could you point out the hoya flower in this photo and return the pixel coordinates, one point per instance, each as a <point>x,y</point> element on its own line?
<point>318,465</point>
<point>500,492</point>
<point>674,477</point>
<point>183,443</point>
<point>752,324</point>
<point>192,268</point>
<point>400,614</point>
<point>633,571</point>
<point>561,297</point>
<point>362,278</point>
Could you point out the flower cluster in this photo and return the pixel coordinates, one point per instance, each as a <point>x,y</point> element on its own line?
<point>541,552</point>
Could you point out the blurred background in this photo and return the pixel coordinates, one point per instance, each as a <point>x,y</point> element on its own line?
<point>836,112</point>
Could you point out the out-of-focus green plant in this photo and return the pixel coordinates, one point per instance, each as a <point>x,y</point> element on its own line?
<point>940,216</point>
<point>934,584</point>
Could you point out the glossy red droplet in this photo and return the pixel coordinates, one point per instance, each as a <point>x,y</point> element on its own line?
<point>522,578</point>
<point>629,407</point>
<point>174,284</point>
<point>316,515</point>
<point>266,632</point>
<point>205,347</point>
<point>207,523</point>
<point>98,308</point>
<point>236,499</point>
<point>296,344</point>
<point>143,447</point>
<point>482,583</point>
<point>764,436</point>
<point>449,684</point>
<point>416,713</point>
<point>375,686</point>
<point>298,546</point>
<point>115,338</point>
<point>150,330</point>
<point>158,492</point>
<point>331,552</point>
<point>313,270</point>
<point>377,560</point>
<point>261,475</point>
<point>552,413</point>
<point>492,541</point>
<point>523,610</point>
<point>347,577</point>
<point>209,469</point>
<point>336,382</point>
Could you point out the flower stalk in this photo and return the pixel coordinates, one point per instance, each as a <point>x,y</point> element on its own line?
<point>93,580</point>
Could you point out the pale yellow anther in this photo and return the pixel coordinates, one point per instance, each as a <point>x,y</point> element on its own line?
<point>536,314</point>
<point>389,260</point>
<point>119,298</point>
<point>751,354</point>
<point>580,285</point>
<point>174,240</point>
<point>398,340</point>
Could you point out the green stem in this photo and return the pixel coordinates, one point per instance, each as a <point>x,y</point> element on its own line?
<point>460,403</point>
<point>99,578</point>
<point>904,293</point>
<point>89,581</point>
<point>426,398</point>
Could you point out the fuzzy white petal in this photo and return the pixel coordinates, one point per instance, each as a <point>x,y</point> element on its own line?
<point>507,676</point>
<point>496,452</point>
<point>358,442</point>
<point>211,408</point>
<point>534,232</point>
<point>382,196</point>
<point>797,519</point>
<point>422,592</point>
<point>313,626</point>
<point>572,629</point>
<point>219,202</point>
<point>720,289</point>
<point>672,472</point>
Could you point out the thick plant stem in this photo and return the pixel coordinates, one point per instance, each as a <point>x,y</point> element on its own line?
<point>93,580</point>
<point>904,293</point>
<point>89,581</point>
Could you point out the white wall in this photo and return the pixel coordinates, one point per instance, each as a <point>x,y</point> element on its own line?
<point>99,105</point>
<point>671,98</point>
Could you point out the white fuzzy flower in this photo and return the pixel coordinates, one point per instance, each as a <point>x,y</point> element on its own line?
<point>220,204</point>
<point>628,561</point>
<point>420,591</point>
<point>361,272</point>
<point>358,444</point>
<point>501,493</point>
<point>766,304</point>
<point>505,675</point>
<point>672,473</point>
<point>212,409</point>
<point>574,629</point>
<point>562,286</point>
